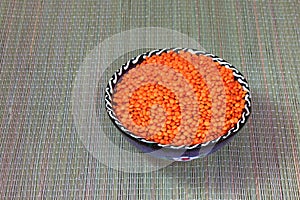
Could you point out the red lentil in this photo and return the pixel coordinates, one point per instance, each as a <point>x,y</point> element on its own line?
<point>179,99</point>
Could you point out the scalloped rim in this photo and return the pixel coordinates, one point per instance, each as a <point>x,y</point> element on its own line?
<point>133,61</point>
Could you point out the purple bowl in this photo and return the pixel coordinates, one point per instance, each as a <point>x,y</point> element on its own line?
<point>177,153</point>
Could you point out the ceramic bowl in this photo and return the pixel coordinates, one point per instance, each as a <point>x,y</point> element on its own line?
<point>177,153</point>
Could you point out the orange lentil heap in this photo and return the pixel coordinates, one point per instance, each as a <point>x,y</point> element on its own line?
<point>178,99</point>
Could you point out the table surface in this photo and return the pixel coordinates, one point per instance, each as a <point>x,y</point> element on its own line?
<point>45,47</point>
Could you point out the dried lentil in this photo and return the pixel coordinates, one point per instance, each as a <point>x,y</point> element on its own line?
<point>154,111</point>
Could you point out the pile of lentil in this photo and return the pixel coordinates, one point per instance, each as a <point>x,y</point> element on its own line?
<point>178,98</point>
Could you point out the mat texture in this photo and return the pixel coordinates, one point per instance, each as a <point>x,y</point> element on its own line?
<point>43,45</point>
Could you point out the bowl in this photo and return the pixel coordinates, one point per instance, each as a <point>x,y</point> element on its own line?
<point>178,103</point>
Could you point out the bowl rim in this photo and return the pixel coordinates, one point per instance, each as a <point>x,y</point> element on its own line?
<point>109,90</point>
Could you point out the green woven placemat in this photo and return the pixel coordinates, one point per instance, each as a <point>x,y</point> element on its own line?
<point>42,47</point>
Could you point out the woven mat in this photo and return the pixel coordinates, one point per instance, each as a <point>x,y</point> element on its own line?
<point>43,46</point>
